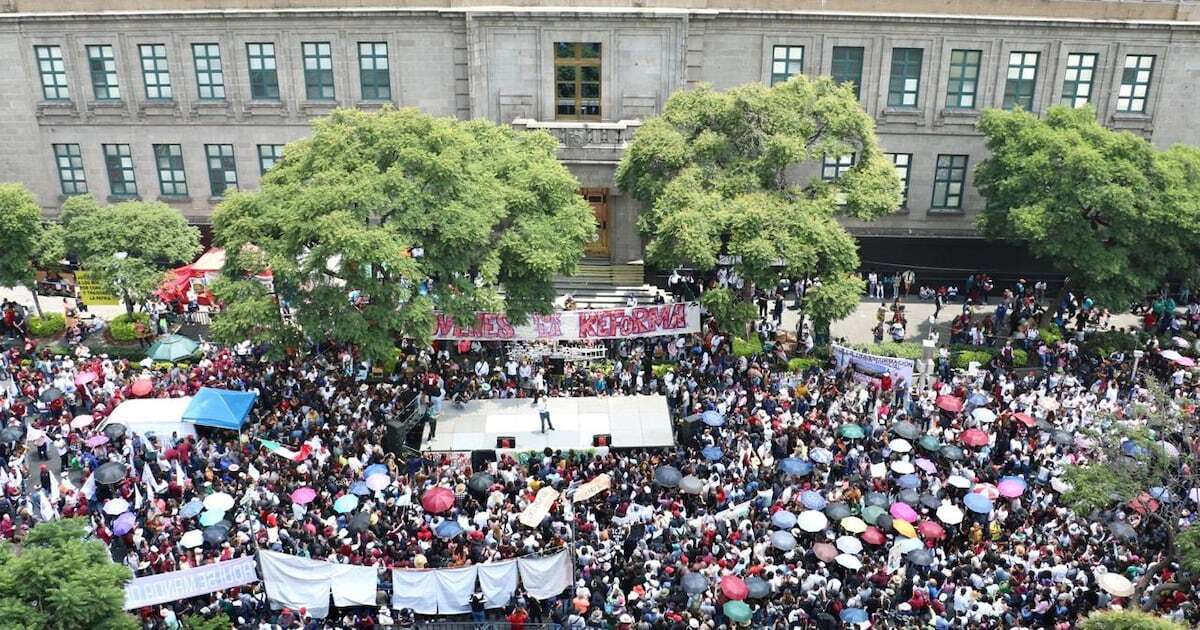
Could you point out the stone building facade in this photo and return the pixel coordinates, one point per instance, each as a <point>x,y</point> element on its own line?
<point>160,100</point>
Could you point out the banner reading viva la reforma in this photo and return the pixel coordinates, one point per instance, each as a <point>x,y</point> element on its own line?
<point>608,323</point>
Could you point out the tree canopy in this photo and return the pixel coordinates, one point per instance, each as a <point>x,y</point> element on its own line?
<point>737,174</point>
<point>379,219</point>
<point>1127,620</point>
<point>1117,216</point>
<point>20,233</point>
<point>56,579</point>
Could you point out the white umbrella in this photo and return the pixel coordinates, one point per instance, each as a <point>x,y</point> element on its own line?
<point>1194,494</point>
<point>958,481</point>
<point>82,421</point>
<point>1049,404</point>
<point>1116,584</point>
<point>193,538</point>
<point>848,561</point>
<point>218,502</point>
<point>849,544</point>
<point>949,514</point>
<point>903,468</point>
<point>1180,342</point>
<point>116,506</point>
<point>905,545</point>
<point>900,445</point>
<point>983,414</point>
<point>812,521</point>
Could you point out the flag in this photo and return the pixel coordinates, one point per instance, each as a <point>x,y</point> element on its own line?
<point>153,486</point>
<point>275,448</point>
<point>253,472</point>
<point>89,487</point>
<point>137,498</point>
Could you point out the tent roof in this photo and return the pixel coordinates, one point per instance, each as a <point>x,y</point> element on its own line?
<point>163,416</point>
<point>220,408</point>
<point>211,260</point>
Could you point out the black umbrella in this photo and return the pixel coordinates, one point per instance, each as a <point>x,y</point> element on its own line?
<point>11,434</point>
<point>884,523</point>
<point>667,476</point>
<point>360,523</point>
<point>909,496</point>
<point>952,452</point>
<point>115,431</point>
<point>1122,530</point>
<point>920,557</point>
<point>110,473</point>
<point>1062,438</point>
<point>758,587</point>
<point>906,430</point>
<point>837,511</point>
<point>694,583</point>
<point>215,534</point>
<point>479,484</point>
<point>878,499</point>
<point>930,501</point>
<point>1044,424</point>
<point>51,394</point>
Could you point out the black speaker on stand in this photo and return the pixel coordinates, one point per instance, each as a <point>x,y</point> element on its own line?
<point>481,458</point>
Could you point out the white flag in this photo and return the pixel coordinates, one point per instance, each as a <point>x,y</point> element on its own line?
<point>89,487</point>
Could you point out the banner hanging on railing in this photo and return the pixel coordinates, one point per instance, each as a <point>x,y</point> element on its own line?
<point>208,578</point>
<point>870,368</point>
<point>607,323</point>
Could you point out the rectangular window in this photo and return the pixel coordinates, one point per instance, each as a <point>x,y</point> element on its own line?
<point>948,181</point>
<point>373,71</point>
<point>70,169</point>
<point>172,181</point>
<point>964,79</point>
<point>210,75</point>
<point>904,85</point>
<point>103,68</point>
<point>1135,83</point>
<point>1077,83</point>
<point>847,66</point>
<point>119,163</point>
<point>53,71</point>
<point>1022,78</point>
<point>268,155</point>
<point>155,73</point>
<point>834,167</point>
<point>264,76</point>
<point>222,169</point>
<point>577,81</point>
<point>903,162</point>
<point>786,62</point>
<point>318,71</point>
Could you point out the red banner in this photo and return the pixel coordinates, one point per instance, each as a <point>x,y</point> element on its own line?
<point>638,321</point>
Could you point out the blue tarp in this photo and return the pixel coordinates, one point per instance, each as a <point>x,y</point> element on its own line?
<point>220,408</point>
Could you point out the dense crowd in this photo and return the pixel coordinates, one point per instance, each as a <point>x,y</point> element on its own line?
<point>771,497</point>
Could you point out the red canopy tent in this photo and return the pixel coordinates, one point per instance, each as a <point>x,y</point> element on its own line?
<point>197,276</point>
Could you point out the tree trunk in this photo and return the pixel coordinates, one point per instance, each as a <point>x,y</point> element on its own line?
<point>37,304</point>
<point>1062,293</point>
<point>128,302</point>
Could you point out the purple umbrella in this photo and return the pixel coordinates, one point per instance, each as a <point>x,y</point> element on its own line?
<point>1011,487</point>
<point>303,495</point>
<point>124,524</point>
<point>96,440</point>
<point>926,465</point>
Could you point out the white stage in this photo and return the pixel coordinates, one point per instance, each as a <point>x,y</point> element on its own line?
<point>633,421</point>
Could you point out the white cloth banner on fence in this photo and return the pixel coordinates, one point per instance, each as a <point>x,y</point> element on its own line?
<point>176,585</point>
<point>498,580</point>
<point>353,585</point>
<point>454,589</point>
<point>546,577</point>
<point>412,589</point>
<point>294,582</point>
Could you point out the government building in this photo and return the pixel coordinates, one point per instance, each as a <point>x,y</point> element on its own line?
<point>182,101</point>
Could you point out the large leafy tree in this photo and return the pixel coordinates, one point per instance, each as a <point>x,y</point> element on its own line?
<point>1106,208</point>
<point>737,174</point>
<point>379,219</point>
<point>128,245</point>
<point>57,579</point>
<point>20,236</point>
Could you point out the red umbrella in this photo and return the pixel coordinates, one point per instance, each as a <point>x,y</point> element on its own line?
<point>873,535</point>
<point>931,530</point>
<point>1143,503</point>
<point>1025,419</point>
<point>85,377</point>
<point>734,587</point>
<point>437,500</point>
<point>973,437</point>
<point>949,403</point>
<point>825,551</point>
<point>141,387</point>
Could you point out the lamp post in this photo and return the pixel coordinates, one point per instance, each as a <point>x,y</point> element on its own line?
<point>1137,357</point>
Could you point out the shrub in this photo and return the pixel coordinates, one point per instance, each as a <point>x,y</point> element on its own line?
<point>1020,358</point>
<point>660,369</point>
<point>963,359</point>
<point>802,364</point>
<point>121,328</point>
<point>1127,620</point>
<point>48,326</point>
<point>1050,334</point>
<point>906,350</point>
<point>747,347</point>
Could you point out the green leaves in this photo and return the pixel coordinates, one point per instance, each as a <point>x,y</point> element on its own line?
<point>20,234</point>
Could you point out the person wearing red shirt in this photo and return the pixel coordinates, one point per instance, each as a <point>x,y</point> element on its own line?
<point>517,619</point>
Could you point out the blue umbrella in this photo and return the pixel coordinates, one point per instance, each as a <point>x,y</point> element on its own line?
<point>712,418</point>
<point>345,503</point>
<point>783,519</point>
<point>375,469</point>
<point>908,481</point>
<point>783,541</point>
<point>795,466</point>
<point>821,455</point>
<point>1133,449</point>
<point>711,453</point>
<point>977,503</point>
<point>192,508</point>
<point>977,399</point>
<point>360,488</point>
<point>448,529</point>
<point>1162,494</point>
<point>854,615</point>
<point>211,518</point>
<point>812,500</point>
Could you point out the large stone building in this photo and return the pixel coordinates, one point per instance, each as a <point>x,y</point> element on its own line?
<point>181,100</point>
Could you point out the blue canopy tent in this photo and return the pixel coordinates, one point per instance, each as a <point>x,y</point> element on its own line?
<point>220,408</point>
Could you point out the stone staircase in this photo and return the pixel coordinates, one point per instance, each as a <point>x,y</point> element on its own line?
<point>600,284</point>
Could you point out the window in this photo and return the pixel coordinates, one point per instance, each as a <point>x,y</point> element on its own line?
<point>318,71</point>
<point>171,179</point>
<point>103,68</point>
<point>210,77</point>
<point>904,87</point>
<point>1077,83</point>
<point>53,71</point>
<point>70,169</point>
<point>1135,83</point>
<point>119,164</point>
<point>964,79</point>
<point>903,162</point>
<point>264,76</point>
<point>577,81</point>
<point>155,73</point>
<point>373,71</point>
<point>847,66</point>
<point>268,155</point>
<point>948,181</point>
<point>834,167</point>
<point>786,62</point>
<point>222,169</point>
<point>1022,78</point>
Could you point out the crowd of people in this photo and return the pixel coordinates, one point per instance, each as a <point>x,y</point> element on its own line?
<point>816,498</point>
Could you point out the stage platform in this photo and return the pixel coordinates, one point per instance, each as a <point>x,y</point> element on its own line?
<point>633,421</point>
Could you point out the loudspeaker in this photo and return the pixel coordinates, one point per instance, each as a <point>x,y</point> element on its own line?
<point>506,441</point>
<point>558,366</point>
<point>481,458</point>
<point>394,438</point>
<point>602,439</point>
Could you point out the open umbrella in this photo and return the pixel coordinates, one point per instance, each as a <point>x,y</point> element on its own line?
<point>1123,530</point>
<point>378,481</point>
<point>812,521</point>
<point>931,530</point>
<point>359,488</point>
<point>1011,487</point>
<point>909,496</point>
<point>900,445</point>
<point>988,490</point>
<point>437,499</point>
<point>172,348</point>
<point>1063,438</point>
<point>795,466</point>
<point>82,421</point>
<point>824,551</point>
<point>783,540</point>
<point>218,502</point>
<point>853,615</point>
<point>360,523</point>
<point>949,514</point>
<point>812,500</point>
<point>951,452</point>
<point>191,508</point>
<point>849,544</point>
<point>758,587</point>
<point>11,434</point>
<point>1116,584</point>
<point>712,418</point>
<point>215,535</point>
<point>925,465</point>
<point>711,453</point>
<point>211,518</point>
<point>734,587</point>
<point>873,536</point>
<point>191,539</point>
<point>376,469</point>
<point>50,394</point>
<point>983,415</point>
<point>480,483</point>
<point>885,523</point>
<point>1175,357</point>
<point>124,524</point>
<point>904,528</point>
<point>919,557</point>
<point>448,529</point>
<point>929,443</point>
<point>345,503</point>
<point>904,512</point>
<point>85,377</point>
<point>949,403</point>
<point>871,513</point>
<point>667,476</point>
<point>820,455</point>
<point>737,611</point>
<point>973,437</point>
<point>691,484</point>
<point>837,511</point>
<point>96,440</point>
<point>1025,419</point>
<point>303,495</point>
<point>958,481</point>
<point>848,561</point>
<point>694,583</point>
<point>115,431</point>
<point>977,503</point>
<point>783,519</point>
<point>852,432</point>
<point>853,524</point>
<point>930,501</point>
<point>141,387</point>
<point>902,467</point>
<point>906,430</point>
<point>905,545</point>
<point>110,472</point>
<point>878,499</point>
<point>908,481</point>
<point>116,506</point>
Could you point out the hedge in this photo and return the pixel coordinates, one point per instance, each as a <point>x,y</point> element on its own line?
<point>660,369</point>
<point>892,349</point>
<point>121,328</point>
<point>1050,334</point>
<point>747,348</point>
<point>802,364</point>
<point>964,355</point>
<point>48,326</point>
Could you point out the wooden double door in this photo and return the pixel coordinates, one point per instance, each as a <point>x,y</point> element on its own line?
<point>598,199</point>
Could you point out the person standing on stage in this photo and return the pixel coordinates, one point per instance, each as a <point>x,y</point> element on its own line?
<point>543,407</point>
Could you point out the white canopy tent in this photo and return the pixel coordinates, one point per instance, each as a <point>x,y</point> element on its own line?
<point>161,416</point>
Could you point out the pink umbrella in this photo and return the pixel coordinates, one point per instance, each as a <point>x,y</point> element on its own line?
<point>85,377</point>
<point>96,440</point>
<point>926,465</point>
<point>1011,487</point>
<point>82,421</point>
<point>903,511</point>
<point>303,496</point>
<point>988,490</point>
<point>437,499</point>
<point>1025,419</point>
<point>141,387</point>
<point>378,481</point>
<point>824,551</point>
<point>931,530</point>
<point>973,437</point>
<point>874,536</point>
<point>734,587</point>
<point>949,403</point>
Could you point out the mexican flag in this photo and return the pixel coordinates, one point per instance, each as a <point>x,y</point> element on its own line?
<point>278,449</point>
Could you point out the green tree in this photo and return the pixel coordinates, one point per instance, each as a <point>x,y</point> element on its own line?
<point>1117,216</point>
<point>128,245</point>
<point>20,235</point>
<point>736,174</point>
<point>379,219</point>
<point>1127,620</point>
<point>57,579</point>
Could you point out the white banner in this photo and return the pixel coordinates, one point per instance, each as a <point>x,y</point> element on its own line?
<point>415,589</point>
<point>294,582</point>
<point>353,585</point>
<point>454,589</point>
<point>869,368</point>
<point>609,323</point>
<point>176,585</point>
<point>546,577</point>
<point>498,581</point>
